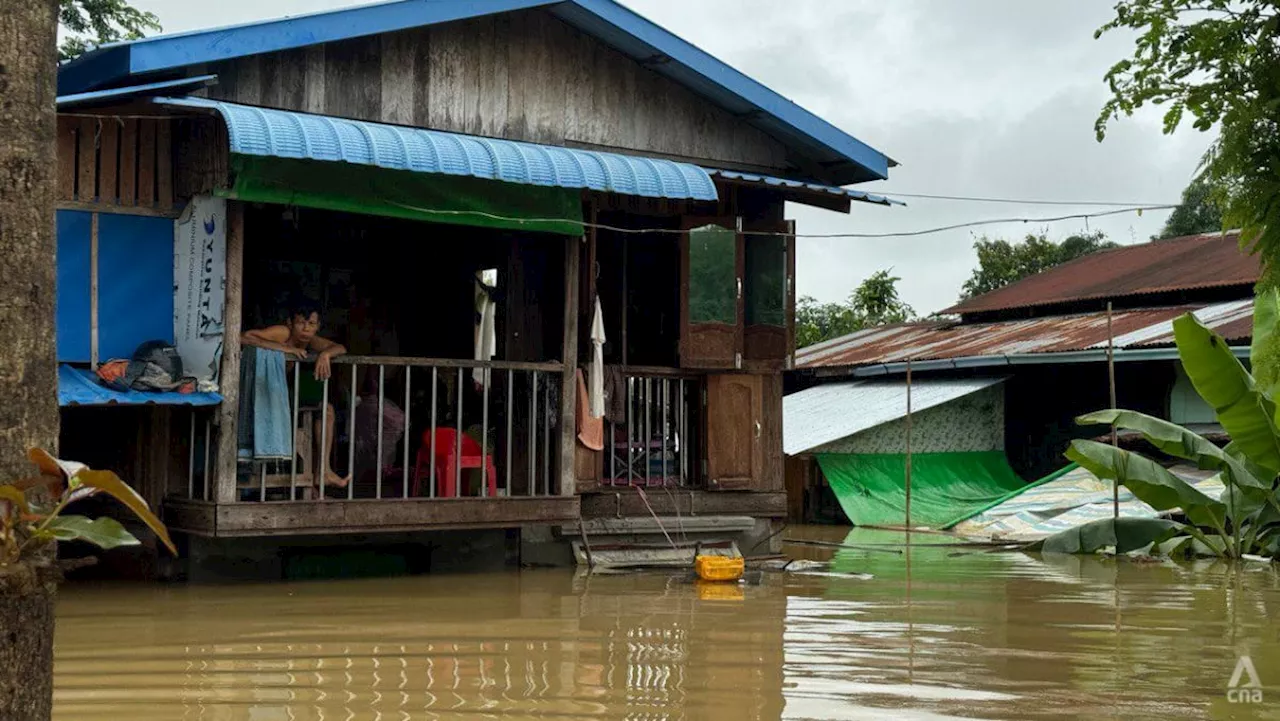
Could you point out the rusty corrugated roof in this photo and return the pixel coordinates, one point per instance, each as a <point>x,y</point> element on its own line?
<point>1186,263</point>
<point>935,340</point>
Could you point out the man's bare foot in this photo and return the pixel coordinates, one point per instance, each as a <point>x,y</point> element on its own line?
<point>333,479</point>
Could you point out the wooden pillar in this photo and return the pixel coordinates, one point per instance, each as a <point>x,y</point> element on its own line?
<point>229,386</point>
<point>568,381</point>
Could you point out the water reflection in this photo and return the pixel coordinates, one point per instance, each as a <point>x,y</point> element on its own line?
<point>937,633</point>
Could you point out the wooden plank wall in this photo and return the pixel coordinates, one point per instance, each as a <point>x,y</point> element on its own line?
<point>120,163</point>
<point>525,76</point>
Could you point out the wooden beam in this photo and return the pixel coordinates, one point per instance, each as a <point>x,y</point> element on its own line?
<point>568,380</point>
<point>627,502</point>
<point>296,518</point>
<point>118,209</point>
<point>229,384</point>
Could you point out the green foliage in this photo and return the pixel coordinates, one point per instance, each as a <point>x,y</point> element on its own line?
<point>874,302</point>
<point>31,510</point>
<point>1198,213</point>
<point>1001,262</point>
<point>89,23</point>
<point>1246,519</point>
<point>1219,62</point>
<point>1122,534</point>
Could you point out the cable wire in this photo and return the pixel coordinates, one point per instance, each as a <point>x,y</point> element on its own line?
<point>672,231</point>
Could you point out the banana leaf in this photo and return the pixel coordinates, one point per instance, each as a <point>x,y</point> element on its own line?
<point>1246,413</point>
<point>1123,534</point>
<point>1149,481</point>
<point>1177,441</point>
<point>1265,315</point>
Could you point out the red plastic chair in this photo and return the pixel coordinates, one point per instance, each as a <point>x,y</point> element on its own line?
<point>446,465</point>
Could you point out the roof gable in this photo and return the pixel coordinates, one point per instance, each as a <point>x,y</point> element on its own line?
<point>833,156</point>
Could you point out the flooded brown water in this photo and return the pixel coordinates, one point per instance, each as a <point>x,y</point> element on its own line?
<point>939,634</point>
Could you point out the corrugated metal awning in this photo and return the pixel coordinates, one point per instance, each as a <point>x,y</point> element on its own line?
<point>825,413</point>
<point>801,187</point>
<point>302,136</point>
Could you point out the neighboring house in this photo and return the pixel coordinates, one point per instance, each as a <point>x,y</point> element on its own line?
<point>457,183</point>
<point>1014,367</point>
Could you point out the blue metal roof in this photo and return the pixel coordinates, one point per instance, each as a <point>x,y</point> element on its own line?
<point>800,185</point>
<point>288,134</point>
<point>80,387</point>
<point>844,158</point>
<point>135,91</point>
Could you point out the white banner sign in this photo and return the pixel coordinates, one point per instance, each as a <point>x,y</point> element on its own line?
<point>200,285</point>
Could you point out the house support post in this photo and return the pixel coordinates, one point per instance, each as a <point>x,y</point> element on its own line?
<point>568,381</point>
<point>229,385</point>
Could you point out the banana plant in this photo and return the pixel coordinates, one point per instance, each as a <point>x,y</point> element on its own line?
<point>31,510</point>
<point>1246,519</point>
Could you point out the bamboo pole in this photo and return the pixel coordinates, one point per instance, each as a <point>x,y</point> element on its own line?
<point>908,464</point>
<point>1111,383</point>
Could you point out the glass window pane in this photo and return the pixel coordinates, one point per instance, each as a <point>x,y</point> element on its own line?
<point>713,276</point>
<point>765,294</point>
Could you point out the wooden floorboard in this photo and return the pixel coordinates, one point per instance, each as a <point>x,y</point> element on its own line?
<point>284,518</point>
<point>613,502</point>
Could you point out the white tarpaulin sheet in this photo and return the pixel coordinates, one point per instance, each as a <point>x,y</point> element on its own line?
<point>199,285</point>
<point>1070,500</point>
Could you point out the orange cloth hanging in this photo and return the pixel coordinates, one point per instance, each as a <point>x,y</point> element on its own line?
<point>590,430</point>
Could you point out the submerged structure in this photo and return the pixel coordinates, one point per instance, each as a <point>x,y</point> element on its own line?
<point>457,186</point>
<point>998,383</point>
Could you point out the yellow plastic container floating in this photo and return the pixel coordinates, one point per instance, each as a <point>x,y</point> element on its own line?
<point>719,568</point>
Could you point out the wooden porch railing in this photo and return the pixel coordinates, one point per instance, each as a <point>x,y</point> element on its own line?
<point>519,455</point>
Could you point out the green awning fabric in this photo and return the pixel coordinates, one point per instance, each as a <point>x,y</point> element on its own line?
<point>404,194</point>
<point>871,488</point>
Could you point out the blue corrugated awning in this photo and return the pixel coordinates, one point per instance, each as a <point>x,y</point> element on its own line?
<point>302,136</point>
<point>800,185</point>
<point>80,387</point>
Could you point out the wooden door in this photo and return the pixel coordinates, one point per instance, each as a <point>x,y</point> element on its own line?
<point>711,303</point>
<point>735,430</point>
<point>769,297</point>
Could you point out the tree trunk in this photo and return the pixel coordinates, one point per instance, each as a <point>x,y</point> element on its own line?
<point>26,641</point>
<point>28,367</point>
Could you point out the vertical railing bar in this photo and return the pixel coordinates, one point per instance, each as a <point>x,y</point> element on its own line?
<point>293,440</point>
<point>533,433</point>
<point>612,444</point>
<point>262,481</point>
<point>377,478</point>
<point>324,437</point>
<point>511,392</point>
<point>408,378</point>
<point>484,435</point>
<point>666,427</point>
<point>351,436</point>
<point>648,430</point>
<point>431,484</point>
<point>191,458</point>
<point>631,466</point>
<point>457,442</point>
<point>208,438</point>
<point>682,437</point>
<point>546,441</point>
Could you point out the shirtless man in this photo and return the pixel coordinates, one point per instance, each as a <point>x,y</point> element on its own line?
<point>299,340</point>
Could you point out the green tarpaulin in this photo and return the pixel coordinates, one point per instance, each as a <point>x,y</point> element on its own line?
<point>403,194</point>
<point>945,487</point>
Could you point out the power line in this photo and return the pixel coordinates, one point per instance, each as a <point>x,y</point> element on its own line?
<point>1015,201</point>
<point>671,231</point>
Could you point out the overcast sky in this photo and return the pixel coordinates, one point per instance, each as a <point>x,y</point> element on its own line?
<point>982,97</point>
